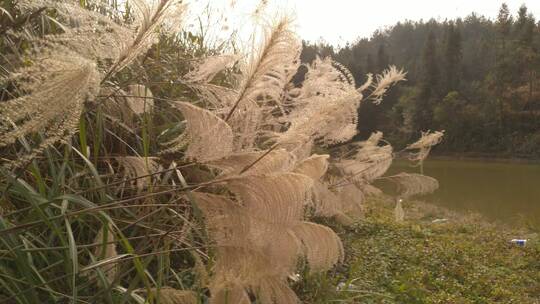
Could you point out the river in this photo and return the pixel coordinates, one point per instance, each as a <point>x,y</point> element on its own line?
<point>508,192</point>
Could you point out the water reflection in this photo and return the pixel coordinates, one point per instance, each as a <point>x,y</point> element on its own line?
<point>503,191</point>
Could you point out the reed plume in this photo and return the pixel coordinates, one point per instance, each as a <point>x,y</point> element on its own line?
<point>149,16</point>
<point>265,74</point>
<point>206,69</point>
<point>203,129</point>
<point>384,81</point>
<point>52,93</point>
<point>369,162</point>
<point>411,184</point>
<point>325,109</point>
<point>68,67</point>
<point>255,163</point>
<point>136,166</point>
<point>169,295</point>
<point>423,145</point>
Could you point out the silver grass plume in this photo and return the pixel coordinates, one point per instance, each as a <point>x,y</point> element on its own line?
<point>384,81</point>
<point>315,166</point>
<point>219,99</point>
<point>342,203</point>
<point>117,107</point>
<point>229,294</point>
<point>331,123</point>
<point>140,99</point>
<point>351,197</point>
<point>68,60</point>
<point>97,37</point>
<point>278,197</point>
<point>254,163</point>
<point>369,162</point>
<point>260,8</point>
<point>264,76</point>
<point>169,295</point>
<point>370,190</point>
<point>203,71</point>
<point>322,247</point>
<point>125,108</point>
<point>150,15</point>
<point>303,150</point>
<point>325,109</point>
<point>242,256</point>
<point>274,290</point>
<point>89,34</point>
<point>203,129</point>
<point>324,202</point>
<point>227,221</point>
<point>325,78</point>
<point>411,184</point>
<point>271,207</point>
<point>52,92</point>
<point>328,204</point>
<point>135,166</point>
<point>269,68</point>
<point>366,84</point>
<point>424,144</point>
<point>243,243</point>
<point>206,69</point>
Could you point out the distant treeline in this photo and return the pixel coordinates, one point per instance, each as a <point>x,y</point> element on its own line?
<point>476,78</point>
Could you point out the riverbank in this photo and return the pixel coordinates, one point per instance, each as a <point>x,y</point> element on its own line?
<point>462,259</point>
<point>486,157</point>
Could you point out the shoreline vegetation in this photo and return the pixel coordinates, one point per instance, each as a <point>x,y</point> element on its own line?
<point>462,259</point>
<point>482,157</point>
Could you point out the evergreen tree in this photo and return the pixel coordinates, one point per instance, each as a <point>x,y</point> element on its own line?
<point>369,113</point>
<point>528,56</point>
<point>370,66</point>
<point>525,25</point>
<point>503,70</point>
<point>430,68</point>
<point>382,58</point>
<point>425,98</point>
<point>504,23</point>
<point>453,55</point>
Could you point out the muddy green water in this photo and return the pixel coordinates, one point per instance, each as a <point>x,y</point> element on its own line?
<point>508,192</point>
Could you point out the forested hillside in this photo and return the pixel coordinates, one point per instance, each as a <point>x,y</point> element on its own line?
<point>474,77</point>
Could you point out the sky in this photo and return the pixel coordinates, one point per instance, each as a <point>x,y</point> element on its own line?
<point>341,21</point>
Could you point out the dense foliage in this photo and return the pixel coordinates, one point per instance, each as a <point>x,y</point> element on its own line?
<point>140,164</point>
<point>473,77</point>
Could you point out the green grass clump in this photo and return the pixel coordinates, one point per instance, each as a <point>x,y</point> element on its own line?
<point>461,261</point>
